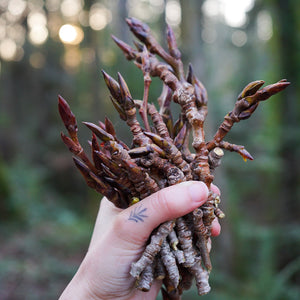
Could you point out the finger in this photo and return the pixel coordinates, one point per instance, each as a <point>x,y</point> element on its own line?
<point>107,212</point>
<point>215,189</point>
<point>216,227</point>
<point>136,223</point>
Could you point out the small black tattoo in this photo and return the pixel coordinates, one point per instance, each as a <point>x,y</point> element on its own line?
<point>138,214</point>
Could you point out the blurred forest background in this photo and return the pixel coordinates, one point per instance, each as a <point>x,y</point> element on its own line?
<point>56,47</point>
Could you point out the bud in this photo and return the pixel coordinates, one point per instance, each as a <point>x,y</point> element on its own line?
<point>100,133</point>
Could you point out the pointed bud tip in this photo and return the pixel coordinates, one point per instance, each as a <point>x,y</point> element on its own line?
<point>284,83</point>
<point>104,73</point>
<point>88,123</point>
<point>121,81</point>
<point>106,77</point>
<point>123,86</point>
<point>63,136</point>
<point>128,21</point>
<point>75,159</point>
<point>277,87</point>
<point>247,156</point>
<point>132,21</point>
<point>79,164</point>
<point>116,40</point>
<point>148,133</point>
<point>62,102</point>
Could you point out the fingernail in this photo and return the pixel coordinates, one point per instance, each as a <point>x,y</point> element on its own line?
<point>197,190</point>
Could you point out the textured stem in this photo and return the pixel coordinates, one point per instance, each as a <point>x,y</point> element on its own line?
<point>152,249</point>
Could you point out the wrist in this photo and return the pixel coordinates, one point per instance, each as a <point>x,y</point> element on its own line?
<point>78,288</point>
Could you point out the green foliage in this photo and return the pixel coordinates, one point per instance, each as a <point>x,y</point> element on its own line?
<point>41,239</point>
<point>26,191</point>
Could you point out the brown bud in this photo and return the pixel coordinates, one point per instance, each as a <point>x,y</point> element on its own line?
<point>139,29</point>
<point>190,74</point>
<point>85,172</point>
<point>271,90</point>
<point>68,117</point>
<point>128,51</point>
<point>172,45</point>
<point>110,127</point>
<point>251,88</point>
<point>119,109</point>
<point>113,86</point>
<point>248,112</point>
<point>125,93</point>
<point>75,148</point>
<point>100,133</point>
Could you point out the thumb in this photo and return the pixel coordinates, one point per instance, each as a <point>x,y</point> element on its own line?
<point>136,223</point>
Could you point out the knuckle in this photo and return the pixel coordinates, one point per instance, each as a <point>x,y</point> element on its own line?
<point>119,228</point>
<point>118,224</point>
<point>125,231</point>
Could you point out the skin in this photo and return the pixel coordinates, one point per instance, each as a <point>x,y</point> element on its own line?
<point>119,240</point>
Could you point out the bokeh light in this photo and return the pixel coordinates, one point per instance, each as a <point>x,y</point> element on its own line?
<point>11,18</point>
<point>209,35</point>
<point>52,5</point>
<point>3,4</point>
<point>239,38</point>
<point>70,8</point>
<point>211,8</point>
<point>146,10</point>
<point>16,32</point>
<point>71,34</point>
<point>234,12</point>
<point>173,13</point>
<point>36,18</point>
<point>99,16</point>
<point>2,31</point>
<point>8,49</point>
<point>37,23</point>
<point>16,7</point>
<point>264,25</point>
<point>38,35</point>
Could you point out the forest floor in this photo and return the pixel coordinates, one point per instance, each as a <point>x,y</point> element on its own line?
<point>38,262</point>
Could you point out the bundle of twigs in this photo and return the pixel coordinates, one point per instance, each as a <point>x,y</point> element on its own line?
<point>160,157</point>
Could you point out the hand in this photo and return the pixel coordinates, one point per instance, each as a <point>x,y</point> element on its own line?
<point>118,240</point>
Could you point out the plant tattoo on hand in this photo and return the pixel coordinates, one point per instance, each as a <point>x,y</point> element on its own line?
<point>138,214</point>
